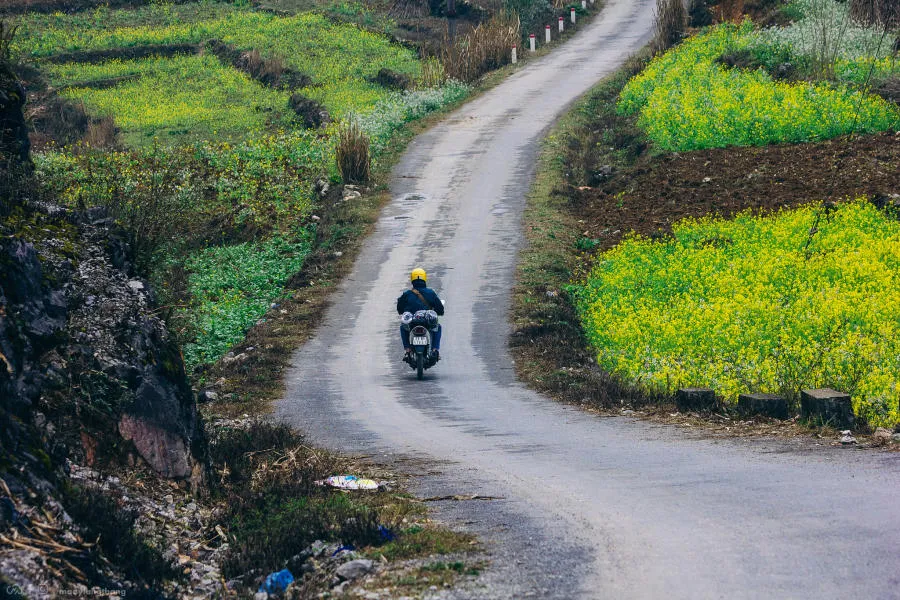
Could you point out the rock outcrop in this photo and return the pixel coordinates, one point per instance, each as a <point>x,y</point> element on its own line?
<point>80,345</point>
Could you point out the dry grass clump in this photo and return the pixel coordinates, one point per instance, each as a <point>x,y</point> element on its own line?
<point>102,133</point>
<point>352,153</point>
<point>671,20</point>
<point>433,74</point>
<point>487,47</point>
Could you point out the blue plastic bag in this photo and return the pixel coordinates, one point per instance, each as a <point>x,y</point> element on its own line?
<point>277,583</point>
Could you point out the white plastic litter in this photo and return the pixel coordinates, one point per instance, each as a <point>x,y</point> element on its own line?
<point>349,482</point>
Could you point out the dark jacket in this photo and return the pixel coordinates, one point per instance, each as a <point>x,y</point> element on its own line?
<point>409,302</point>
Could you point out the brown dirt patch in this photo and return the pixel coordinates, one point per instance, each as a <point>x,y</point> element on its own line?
<point>270,72</point>
<point>131,53</point>
<point>661,190</point>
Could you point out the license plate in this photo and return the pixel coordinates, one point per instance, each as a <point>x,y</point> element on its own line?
<point>420,341</point>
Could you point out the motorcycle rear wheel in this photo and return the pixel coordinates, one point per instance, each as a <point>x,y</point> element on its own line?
<point>420,365</point>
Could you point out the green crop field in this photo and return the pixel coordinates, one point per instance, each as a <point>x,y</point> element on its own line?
<point>307,42</point>
<point>220,157</point>
<point>175,100</point>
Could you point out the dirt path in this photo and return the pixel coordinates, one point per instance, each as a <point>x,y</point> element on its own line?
<point>592,507</point>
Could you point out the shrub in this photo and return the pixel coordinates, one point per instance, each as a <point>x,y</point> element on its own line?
<point>884,13</point>
<point>699,14</point>
<point>827,39</point>
<point>486,47</point>
<point>352,153</point>
<point>533,14</point>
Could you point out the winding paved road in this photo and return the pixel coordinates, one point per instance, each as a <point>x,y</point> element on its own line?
<point>591,507</point>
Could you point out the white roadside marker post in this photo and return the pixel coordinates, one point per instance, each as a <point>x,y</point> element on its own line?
<point>573,16</point>
<point>531,42</point>
<point>583,3</point>
<point>514,59</point>
<point>547,34</point>
<point>561,24</point>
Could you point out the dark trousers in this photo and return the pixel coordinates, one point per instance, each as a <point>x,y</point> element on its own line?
<point>435,337</point>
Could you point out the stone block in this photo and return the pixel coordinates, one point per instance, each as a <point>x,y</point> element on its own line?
<point>695,399</point>
<point>828,407</point>
<point>767,405</point>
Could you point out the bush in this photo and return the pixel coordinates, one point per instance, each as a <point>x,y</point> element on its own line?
<point>487,47</point>
<point>828,40</point>
<point>699,14</point>
<point>352,153</point>
<point>884,13</point>
<point>533,14</point>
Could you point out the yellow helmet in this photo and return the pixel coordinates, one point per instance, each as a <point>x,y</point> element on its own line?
<point>418,274</point>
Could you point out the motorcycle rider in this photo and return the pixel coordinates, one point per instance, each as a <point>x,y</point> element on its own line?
<point>418,298</point>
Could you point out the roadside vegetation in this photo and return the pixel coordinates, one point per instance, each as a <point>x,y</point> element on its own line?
<point>706,193</point>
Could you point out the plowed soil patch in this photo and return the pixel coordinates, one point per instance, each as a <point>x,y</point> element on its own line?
<point>661,190</point>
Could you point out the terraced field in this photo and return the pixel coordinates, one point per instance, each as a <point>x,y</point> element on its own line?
<point>209,123</point>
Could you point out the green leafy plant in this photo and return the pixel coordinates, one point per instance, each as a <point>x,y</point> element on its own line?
<point>232,287</point>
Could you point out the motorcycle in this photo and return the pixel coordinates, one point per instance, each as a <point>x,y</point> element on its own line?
<point>419,327</point>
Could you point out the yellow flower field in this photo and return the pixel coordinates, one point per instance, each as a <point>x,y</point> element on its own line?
<point>756,304</point>
<point>687,101</point>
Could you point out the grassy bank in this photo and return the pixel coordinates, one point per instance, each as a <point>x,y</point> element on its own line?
<point>548,342</point>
